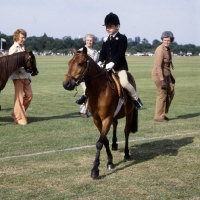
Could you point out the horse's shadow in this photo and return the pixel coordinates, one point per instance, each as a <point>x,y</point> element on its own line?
<point>36,119</point>
<point>65,116</point>
<point>150,150</point>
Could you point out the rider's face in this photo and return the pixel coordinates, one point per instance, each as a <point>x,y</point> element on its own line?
<point>112,29</point>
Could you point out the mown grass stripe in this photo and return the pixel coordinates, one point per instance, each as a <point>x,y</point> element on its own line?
<point>89,146</point>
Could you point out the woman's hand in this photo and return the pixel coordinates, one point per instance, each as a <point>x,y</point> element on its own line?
<point>163,85</point>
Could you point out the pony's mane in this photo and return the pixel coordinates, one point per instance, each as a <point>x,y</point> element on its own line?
<point>8,64</point>
<point>88,57</point>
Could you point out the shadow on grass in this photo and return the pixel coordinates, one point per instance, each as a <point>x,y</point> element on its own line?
<point>65,116</point>
<point>187,116</point>
<point>150,150</point>
<point>5,109</point>
<point>36,119</point>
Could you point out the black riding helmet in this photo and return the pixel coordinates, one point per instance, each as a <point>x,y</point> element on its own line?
<point>111,19</point>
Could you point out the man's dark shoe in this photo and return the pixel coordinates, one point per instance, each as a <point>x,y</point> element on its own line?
<point>81,100</point>
<point>138,103</point>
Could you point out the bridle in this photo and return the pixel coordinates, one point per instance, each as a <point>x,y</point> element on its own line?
<point>86,71</point>
<point>28,60</point>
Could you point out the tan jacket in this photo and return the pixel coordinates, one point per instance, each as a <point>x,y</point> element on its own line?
<point>19,73</point>
<point>162,61</point>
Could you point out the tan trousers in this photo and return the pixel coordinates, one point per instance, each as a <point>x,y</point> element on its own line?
<point>164,97</point>
<point>123,78</point>
<point>22,100</point>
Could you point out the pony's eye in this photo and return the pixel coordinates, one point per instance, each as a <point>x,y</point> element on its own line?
<point>80,64</point>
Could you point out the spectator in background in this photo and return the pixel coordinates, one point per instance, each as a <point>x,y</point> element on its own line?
<point>89,40</point>
<point>21,80</point>
<point>162,77</point>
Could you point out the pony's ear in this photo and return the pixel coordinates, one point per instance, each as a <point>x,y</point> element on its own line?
<point>85,50</point>
<point>74,50</point>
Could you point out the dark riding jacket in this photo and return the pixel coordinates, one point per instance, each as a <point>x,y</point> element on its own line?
<point>114,51</point>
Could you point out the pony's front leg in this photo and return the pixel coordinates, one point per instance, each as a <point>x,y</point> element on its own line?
<point>95,169</point>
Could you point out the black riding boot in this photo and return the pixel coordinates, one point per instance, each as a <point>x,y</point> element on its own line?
<point>81,100</point>
<point>138,103</point>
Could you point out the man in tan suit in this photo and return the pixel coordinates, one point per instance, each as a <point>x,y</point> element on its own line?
<point>161,75</point>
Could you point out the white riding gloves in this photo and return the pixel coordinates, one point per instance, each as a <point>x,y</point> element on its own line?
<point>100,64</point>
<point>110,65</point>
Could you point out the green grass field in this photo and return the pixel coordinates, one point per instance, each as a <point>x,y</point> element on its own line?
<point>51,157</point>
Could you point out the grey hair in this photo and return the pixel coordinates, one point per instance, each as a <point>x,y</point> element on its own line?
<point>91,36</point>
<point>167,34</point>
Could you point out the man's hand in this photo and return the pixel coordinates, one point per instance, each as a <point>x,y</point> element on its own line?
<point>110,65</point>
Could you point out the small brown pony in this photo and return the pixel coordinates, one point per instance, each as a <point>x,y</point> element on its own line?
<point>8,64</point>
<point>102,102</point>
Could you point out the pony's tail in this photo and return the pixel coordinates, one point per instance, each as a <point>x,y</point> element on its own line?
<point>134,123</point>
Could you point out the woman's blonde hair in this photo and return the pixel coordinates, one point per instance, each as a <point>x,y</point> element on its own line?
<point>17,33</point>
<point>91,36</point>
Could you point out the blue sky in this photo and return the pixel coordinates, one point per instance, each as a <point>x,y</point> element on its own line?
<point>144,18</point>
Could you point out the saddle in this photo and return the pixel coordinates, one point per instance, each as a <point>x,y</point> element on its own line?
<point>121,93</point>
<point>117,84</point>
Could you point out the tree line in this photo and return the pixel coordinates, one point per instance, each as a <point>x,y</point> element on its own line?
<point>65,45</point>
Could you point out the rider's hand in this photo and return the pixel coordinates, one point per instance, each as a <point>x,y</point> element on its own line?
<point>110,65</point>
<point>100,64</point>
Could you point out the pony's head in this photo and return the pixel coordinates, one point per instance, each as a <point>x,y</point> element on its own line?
<point>78,69</point>
<point>30,63</point>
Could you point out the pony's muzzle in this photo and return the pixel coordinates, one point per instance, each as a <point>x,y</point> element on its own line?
<point>34,71</point>
<point>69,85</point>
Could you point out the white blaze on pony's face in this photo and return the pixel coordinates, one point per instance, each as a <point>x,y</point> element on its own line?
<point>166,41</point>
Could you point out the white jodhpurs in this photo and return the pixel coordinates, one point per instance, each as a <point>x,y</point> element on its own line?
<point>83,86</point>
<point>123,78</point>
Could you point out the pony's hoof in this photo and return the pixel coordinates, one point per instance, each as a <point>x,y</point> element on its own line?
<point>127,158</point>
<point>95,173</point>
<point>110,166</point>
<point>114,147</point>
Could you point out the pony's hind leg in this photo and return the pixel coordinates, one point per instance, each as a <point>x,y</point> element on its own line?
<point>127,131</point>
<point>114,138</point>
<point>110,164</point>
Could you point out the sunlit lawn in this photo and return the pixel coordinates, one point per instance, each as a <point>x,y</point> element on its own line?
<point>41,161</point>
